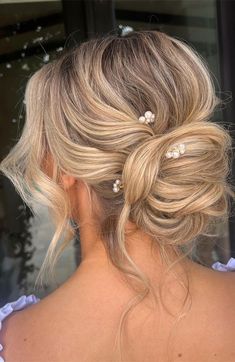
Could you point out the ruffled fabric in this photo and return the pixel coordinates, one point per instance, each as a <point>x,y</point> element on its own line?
<point>230,266</point>
<point>21,303</point>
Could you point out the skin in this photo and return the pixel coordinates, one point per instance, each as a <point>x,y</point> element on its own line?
<point>78,321</point>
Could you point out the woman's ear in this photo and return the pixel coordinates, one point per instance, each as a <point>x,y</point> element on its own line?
<point>67,181</point>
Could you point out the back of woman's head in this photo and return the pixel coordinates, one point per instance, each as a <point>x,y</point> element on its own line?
<point>83,109</point>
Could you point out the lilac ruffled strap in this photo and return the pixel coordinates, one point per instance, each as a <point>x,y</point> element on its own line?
<point>21,303</point>
<point>230,266</point>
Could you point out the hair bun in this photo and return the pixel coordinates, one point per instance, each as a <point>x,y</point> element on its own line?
<point>174,197</point>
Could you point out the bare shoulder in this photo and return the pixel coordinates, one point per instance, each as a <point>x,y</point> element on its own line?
<point>220,304</point>
<point>218,285</point>
<point>209,325</point>
<point>224,315</point>
<point>19,329</point>
<point>45,332</point>
<point>227,285</point>
<point>60,326</point>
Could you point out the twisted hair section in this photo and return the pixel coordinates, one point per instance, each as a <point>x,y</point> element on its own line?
<point>183,192</point>
<point>82,111</point>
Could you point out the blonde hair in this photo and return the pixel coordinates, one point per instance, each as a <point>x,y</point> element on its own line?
<point>83,109</point>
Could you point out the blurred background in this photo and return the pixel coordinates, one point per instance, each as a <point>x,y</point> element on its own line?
<point>32,33</point>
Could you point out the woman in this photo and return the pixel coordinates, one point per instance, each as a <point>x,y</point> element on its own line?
<point>119,139</point>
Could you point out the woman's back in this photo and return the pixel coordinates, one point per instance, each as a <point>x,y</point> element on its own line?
<point>79,320</point>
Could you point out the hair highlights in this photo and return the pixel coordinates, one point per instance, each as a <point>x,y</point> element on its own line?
<point>85,106</point>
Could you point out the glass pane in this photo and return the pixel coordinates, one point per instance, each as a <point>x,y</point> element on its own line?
<point>32,33</point>
<point>195,23</point>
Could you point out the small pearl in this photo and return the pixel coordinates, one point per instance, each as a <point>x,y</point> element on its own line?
<point>168,154</point>
<point>142,119</point>
<point>182,148</point>
<point>175,154</point>
<point>148,114</point>
<point>118,181</point>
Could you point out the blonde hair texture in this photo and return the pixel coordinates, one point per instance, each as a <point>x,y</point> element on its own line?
<point>83,109</point>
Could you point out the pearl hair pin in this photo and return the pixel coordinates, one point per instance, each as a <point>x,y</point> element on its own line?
<point>148,117</point>
<point>176,151</point>
<point>117,185</point>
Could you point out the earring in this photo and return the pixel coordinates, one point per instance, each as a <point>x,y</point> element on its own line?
<point>176,151</point>
<point>148,117</point>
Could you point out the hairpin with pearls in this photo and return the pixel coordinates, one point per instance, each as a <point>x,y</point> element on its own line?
<point>176,151</point>
<point>117,185</point>
<point>148,117</point>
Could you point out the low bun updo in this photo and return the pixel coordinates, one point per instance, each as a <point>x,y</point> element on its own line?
<point>175,198</point>
<point>83,110</point>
